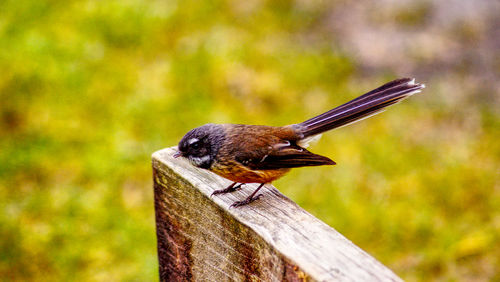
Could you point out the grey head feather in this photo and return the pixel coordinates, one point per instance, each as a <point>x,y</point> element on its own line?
<point>201,145</point>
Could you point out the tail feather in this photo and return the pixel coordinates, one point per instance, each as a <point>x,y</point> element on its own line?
<point>362,107</point>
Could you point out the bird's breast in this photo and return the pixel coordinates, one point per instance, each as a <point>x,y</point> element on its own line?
<point>241,174</point>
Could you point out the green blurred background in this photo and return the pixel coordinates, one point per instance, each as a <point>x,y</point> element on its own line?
<point>90,89</point>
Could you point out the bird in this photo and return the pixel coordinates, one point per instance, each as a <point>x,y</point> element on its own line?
<point>261,154</point>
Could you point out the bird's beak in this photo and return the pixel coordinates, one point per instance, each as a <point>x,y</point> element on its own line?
<point>177,154</point>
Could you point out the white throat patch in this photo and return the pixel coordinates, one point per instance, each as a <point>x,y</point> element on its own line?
<point>198,161</point>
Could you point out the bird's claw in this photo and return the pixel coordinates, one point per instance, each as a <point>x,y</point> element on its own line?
<point>229,189</point>
<point>245,202</point>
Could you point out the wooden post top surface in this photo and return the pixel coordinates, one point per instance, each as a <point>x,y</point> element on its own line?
<point>315,251</point>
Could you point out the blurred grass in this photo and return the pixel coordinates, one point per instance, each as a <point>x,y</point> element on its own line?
<point>90,89</point>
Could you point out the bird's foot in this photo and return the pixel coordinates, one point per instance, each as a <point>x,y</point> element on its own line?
<point>245,202</point>
<point>229,189</point>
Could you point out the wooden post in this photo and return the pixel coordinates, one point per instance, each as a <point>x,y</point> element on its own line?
<point>201,239</point>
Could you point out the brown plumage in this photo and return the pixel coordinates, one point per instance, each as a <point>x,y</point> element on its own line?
<point>262,154</point>
<point>274,153</point>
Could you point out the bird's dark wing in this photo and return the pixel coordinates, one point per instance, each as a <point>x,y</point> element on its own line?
<point>284,157</point>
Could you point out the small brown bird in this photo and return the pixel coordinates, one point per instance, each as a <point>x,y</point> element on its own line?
<point>261,154</point>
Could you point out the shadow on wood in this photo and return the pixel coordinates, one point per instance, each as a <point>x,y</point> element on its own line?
<point>272,239</point>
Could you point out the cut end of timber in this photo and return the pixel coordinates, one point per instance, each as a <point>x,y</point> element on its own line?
<point>271,239</point>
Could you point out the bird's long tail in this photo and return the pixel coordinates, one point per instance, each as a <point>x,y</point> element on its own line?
<point>362,107</point>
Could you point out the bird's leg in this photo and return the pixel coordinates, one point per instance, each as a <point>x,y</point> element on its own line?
<point>249,199</point>
<point>229,189</point>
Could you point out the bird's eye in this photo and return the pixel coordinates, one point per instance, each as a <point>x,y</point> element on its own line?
<point>195,145</point>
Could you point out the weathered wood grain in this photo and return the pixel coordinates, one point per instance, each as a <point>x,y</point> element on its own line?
<point>272,239</point>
